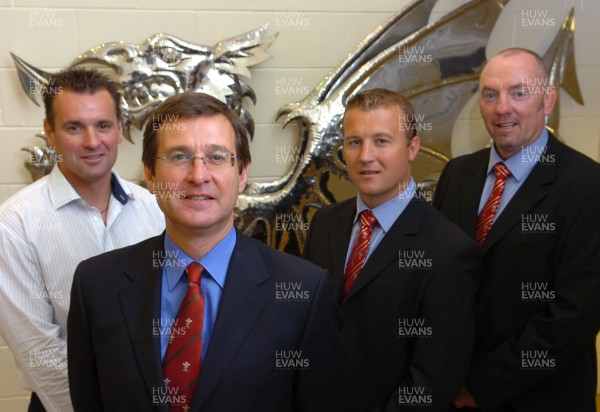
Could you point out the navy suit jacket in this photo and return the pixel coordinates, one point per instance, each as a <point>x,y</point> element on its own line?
<point>409,320</point>
<point>114,353</point>
<point>538,309</point>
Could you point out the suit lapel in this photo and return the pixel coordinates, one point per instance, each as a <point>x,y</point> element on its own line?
<point>339,242</point>
<point>530,193</point>
<point>241,305</point>
<point>140,304</point>
<point>398,238</point>
<point>470,193</point>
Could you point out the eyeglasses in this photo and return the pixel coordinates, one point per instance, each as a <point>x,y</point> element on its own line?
<point>213,160</point>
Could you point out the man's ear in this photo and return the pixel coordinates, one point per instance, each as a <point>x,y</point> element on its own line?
<point>49,132</point>
<point>149,178</point>
<point>550,99</point>
<point>120,131</point>
<point>413,148</point>
<point>243,178</point>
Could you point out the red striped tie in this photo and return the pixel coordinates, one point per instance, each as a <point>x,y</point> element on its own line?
<point>359,251</point>
<point>181,365</point>
<point>486,217</point>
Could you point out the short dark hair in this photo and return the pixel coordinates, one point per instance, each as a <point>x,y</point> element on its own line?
<point>79,80</point>
<point>375,98</point>
<point>190,105</point>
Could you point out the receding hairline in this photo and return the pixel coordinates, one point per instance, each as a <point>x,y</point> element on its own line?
<point>515,51</point>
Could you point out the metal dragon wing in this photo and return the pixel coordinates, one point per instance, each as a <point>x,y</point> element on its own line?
<point>436,66</point>
<point>559,60</point>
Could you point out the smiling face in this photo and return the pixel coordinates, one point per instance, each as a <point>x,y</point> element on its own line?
<point>86,135</point>
<point>378,153</point>
<point>197,200</point>
<point>514,98</point>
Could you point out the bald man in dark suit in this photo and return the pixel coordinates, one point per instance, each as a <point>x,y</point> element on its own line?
<point>537,223</point>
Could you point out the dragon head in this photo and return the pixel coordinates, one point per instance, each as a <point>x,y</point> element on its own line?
<point>164,65</point>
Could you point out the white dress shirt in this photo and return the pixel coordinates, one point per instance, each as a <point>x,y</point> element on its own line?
<point>46,229</point>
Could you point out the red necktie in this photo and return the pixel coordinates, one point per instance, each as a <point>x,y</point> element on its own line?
<point>359,251</point>
<point>181,365</point>
<point>486,217</point>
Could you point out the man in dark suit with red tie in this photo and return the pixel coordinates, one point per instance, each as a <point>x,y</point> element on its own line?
<point>194,319</point>
<point>404,275</point>
<point>532,203</point>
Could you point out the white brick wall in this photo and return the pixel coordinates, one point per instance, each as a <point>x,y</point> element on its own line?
<point>331,30</point>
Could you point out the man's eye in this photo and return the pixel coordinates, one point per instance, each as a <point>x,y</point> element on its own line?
<point>217,157</point>
<point>178,157</point>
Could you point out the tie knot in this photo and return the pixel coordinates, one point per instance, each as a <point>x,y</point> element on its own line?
<point>501,171</point>
<point>367,218</point>
<point>194,272</point>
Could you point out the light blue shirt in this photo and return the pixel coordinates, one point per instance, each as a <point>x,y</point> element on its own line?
<point>520,165</point>
<point>386,214</point>
<point>175,284</point>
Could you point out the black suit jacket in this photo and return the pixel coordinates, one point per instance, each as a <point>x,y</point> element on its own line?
<point>422,274</point>
<point>540,289</point>
<point>114,353</point>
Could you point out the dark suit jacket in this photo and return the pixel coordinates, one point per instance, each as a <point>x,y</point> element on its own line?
<point>114,358</point>
<point>547,237</point>
<point>436,286</point>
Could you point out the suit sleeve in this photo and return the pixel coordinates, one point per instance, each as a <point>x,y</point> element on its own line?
<point>565,330</point>
<point>324,385</point>
<point>306,253</point>
<point>83,373</point>
<point>440,361</point>
<point>440,190</point>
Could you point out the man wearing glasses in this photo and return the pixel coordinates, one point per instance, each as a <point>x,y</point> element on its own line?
<point>192,319</point>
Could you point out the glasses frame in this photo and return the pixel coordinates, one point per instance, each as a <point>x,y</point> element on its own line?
<point>191,158</point>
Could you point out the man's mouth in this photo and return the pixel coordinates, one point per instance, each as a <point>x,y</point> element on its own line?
<point>505,125</point>
<point>197,197</point>
<point>92,156</point>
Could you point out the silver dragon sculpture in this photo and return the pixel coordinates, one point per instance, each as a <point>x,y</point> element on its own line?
<point>435,65</point>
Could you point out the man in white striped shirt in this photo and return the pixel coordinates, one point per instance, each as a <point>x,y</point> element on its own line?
<point>82,208</point>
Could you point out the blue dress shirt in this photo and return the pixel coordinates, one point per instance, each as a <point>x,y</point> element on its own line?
<point>386,214</point>
<point>175,284</point>
<point>520,165</point>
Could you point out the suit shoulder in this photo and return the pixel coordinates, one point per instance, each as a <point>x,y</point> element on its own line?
<point>335,208</point>
<point>577,163</point>
<point>445,229</point>
<point>281,261</point>
<point>470,159</point>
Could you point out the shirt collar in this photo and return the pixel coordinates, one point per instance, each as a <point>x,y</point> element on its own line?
<point>521,163</point>
<point>118,191</point>
<point>61,192</point>
<point>216,261</point>
<point>388,212</point>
